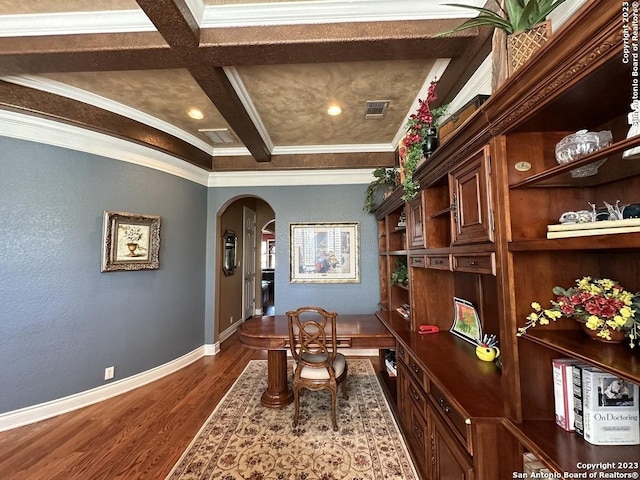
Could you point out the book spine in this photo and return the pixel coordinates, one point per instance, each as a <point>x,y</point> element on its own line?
<point>577,399</point>
<point>563,393</point>
<point>587,404</point>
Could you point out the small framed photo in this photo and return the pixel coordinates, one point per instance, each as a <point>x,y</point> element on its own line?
<point>324,253</point>
<point>130,241</point>
<point>466,323</point>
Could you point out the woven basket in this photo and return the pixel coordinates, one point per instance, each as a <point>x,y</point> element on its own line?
<point>521,45</point>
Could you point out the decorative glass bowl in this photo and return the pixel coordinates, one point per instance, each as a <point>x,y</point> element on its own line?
<point>581,144</point>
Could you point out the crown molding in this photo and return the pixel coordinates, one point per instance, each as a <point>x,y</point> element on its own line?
<point>114,21</point>
<point>238,86</point>
<point>330,11</point>
<point>50,132</point>
<point>282,178</point>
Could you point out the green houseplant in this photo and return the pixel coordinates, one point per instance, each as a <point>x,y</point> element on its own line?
<point>385,178</point>
<point>420,126</point>
<point>516,15</point>
<point>400,273</point>
<point>520,29</point>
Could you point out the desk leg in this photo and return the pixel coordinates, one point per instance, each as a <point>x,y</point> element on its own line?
<point>278,394</point>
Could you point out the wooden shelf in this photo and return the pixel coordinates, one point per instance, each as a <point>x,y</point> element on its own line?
<point>441,213</point>
<point>618,359</point>
<point>563,451</point>
<point>612,150</point>
<point>594,242</point>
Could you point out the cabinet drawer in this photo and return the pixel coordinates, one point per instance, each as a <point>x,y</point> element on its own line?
<point>402,354</point>
<point>418,397</point>
<point>441,262</point>
<point>452,416</point>
<point>417,261</point>
<point>475,262</point>
<point>416,372</point>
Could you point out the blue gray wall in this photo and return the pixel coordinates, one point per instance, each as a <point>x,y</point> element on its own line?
<point>62,321</point>
<point>327,203</point>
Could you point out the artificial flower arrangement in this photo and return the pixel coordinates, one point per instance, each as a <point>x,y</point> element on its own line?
<point>601,304</point>
<point>411,145</point>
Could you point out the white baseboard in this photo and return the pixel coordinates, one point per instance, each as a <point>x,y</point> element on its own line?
<point>210,350</point>
<point>36,413</point>
<point>229,331</point>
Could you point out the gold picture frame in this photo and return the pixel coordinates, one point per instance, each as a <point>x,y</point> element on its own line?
<point>130,241</point>
<point>324,253</point>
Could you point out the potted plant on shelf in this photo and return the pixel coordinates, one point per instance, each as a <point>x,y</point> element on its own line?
<point>385,181</point>
<point>605,310</point>
<point>520,30</point>
<point>400,273</point>
<point>420,141</point>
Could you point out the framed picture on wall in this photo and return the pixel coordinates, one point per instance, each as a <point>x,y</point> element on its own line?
<point>130,241</point>
<point>324,253</point>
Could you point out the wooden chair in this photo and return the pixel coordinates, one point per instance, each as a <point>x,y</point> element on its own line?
<point>317,363</point>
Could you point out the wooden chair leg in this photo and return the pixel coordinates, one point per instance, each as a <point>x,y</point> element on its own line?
<point>334,401</point>
<point>296,400</point>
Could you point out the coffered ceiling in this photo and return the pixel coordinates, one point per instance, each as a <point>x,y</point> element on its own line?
<point>263,72</point>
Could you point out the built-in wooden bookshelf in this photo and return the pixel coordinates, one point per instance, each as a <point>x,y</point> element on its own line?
<point>478,231</point>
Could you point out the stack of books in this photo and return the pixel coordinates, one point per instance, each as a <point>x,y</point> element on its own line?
<point>598,405</point>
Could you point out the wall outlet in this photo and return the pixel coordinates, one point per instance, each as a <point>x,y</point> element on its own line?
<point>109,372</point>
<point>231,320</point>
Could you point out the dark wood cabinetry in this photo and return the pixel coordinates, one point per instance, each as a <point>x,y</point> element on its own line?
<point>478,231</point>
<point>470,200</point>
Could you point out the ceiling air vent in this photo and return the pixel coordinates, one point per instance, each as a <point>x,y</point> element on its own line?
<point>218,135</point>
<point>376,108</point>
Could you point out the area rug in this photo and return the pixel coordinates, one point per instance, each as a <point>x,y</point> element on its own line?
<point>244,440</point>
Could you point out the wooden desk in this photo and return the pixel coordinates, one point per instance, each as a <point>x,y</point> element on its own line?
<point>271,333</point>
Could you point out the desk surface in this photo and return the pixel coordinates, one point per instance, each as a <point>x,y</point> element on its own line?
<point>354,330</point>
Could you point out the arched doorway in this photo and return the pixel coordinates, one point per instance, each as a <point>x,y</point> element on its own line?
<point>268,265</point>
<point>239,296</point>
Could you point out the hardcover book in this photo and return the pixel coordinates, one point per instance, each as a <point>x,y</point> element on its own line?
<point>563,392</point>
<point>610,409</point>
<point>577,397</point>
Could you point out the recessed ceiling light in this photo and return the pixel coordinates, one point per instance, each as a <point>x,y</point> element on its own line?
<point>195,113</point>
<point>334,110</point>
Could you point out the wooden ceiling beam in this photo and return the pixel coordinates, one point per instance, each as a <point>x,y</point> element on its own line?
<point>306,162</point>
<point>176,24</point>
<point>323,43</point>
<point>36,102</point>
<point>174,21</point>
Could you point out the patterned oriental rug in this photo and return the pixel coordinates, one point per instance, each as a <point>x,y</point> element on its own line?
<point>244,440</point>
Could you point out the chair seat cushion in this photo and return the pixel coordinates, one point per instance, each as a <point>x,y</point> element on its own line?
<point>339,365</point>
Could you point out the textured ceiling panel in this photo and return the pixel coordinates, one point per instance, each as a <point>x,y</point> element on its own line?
<point>292,99</point>
<point>165,94</point>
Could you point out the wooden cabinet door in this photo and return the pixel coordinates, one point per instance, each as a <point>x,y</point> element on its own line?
<point>471,216</point>
<point>416,223</point>
<point>449,461</point>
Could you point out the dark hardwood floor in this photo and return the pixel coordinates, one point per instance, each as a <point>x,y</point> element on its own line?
<point>137,435</point>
